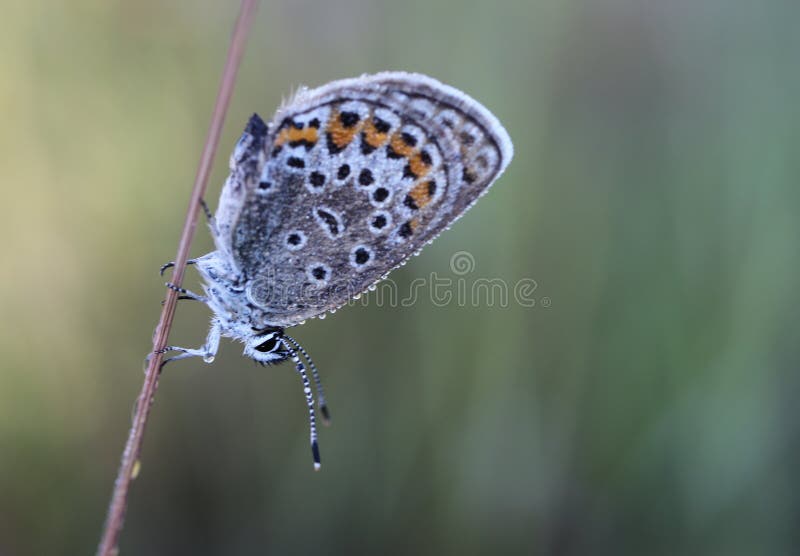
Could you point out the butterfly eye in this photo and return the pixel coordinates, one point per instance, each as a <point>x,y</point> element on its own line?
<point>267,345</point>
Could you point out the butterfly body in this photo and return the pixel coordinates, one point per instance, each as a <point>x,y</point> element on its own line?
<point>345,183</point>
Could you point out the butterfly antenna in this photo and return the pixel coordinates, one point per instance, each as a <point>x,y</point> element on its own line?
<point>312,420</point>
<point>323,406</point>
<point>212,222</point>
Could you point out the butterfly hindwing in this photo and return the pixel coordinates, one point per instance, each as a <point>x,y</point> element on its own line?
<point>348,181</point>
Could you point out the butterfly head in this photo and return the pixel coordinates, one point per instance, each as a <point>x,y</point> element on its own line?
<point>267,347</point>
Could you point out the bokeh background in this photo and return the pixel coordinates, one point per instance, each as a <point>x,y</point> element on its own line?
<point>647,402</point>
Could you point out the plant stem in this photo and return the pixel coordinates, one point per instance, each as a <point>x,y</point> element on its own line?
<point>130,456</point>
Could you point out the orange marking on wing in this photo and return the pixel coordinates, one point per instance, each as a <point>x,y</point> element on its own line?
<point>418,165</point>
<point>308,134</point>
<point>399,146</point>
<point>282,137</point>
<point>291,134</point>
<point>421,193</point>
<point>374,137</point>
<point>414,222</point>
<point>340,135</point>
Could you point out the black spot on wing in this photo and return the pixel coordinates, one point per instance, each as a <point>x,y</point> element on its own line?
<point>329,220</point>
<point>381,125</point>
<point>410,202</point>
<point>379,221</point>
<point>333,148</point>
<point>316,179</point>
<point>391,153</point>
<point>431,188</point>
<point>405,230</point>
<point>468,176</point>
<point>365,177</point>
<point>380,194</point>
<point>361,256</point>
<point>408,139</point>
<point>349,119</point>
<point>467,138</point>
<point>366,148</point>
<point>304,142</point>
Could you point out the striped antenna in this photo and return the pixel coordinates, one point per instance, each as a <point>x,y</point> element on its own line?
<point>312,421</point>
<point>323,406</point>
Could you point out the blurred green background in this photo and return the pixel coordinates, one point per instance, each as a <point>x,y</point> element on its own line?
<point>649,409</point>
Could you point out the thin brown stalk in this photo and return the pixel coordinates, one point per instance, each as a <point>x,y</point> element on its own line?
<point>130,456</point>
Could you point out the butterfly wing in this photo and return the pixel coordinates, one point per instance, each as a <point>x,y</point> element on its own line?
<point>347,182</point>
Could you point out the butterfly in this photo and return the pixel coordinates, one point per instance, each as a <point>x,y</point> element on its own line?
<point>344,184</point>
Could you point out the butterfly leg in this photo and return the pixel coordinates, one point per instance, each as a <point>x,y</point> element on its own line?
<point>207,351</point>
<point>170,264</point>
<point>186,294</point>
<point>180,297</point>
